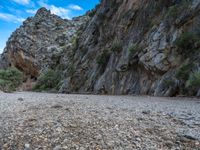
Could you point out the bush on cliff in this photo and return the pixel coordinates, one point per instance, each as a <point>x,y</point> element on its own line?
<point>48,80</point>
<point>187,43</point>
<point>184,71</point>
<point>116,46</point>
<point>103,59</point>
<point>194,80</point>
<point>133,49</point>
<point>176,10</point>
<point>10,79</point>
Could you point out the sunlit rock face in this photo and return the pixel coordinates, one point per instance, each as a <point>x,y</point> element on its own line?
<point>33,45</point>
<point>120,47</point>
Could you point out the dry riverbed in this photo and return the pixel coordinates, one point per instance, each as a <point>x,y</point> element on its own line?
<point>39,121</point>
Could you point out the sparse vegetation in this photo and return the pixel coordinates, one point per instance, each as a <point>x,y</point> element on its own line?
<point>61,67</point>
<point>175,10</point>
<point>83,50</point>
<point>74,42</point>
<point>194,80</point>
<point>48,80</point>
<point>116,46</point>
<point>169,83</point>
<point>186,43</point>
<point>91,13</point>
<point>62,44</point>
<point>70,69</point>
<point>10,79</point>
<point>103,58</point>
<point>134,49</point>
<point>184,71</point>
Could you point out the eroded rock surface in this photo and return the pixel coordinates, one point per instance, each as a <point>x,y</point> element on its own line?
<point>36,44</point>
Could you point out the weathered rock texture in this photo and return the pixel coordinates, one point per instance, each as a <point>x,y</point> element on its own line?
<point>40,39</point>
<point>126,47</point>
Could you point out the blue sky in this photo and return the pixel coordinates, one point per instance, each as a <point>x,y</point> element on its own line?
<point>14,12</point>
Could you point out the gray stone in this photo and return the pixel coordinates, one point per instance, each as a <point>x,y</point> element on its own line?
<point>27,147</point>
<point>58,147</point>
<point>20,99</point>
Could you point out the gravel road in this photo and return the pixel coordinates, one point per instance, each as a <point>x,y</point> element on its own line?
<point>40,121</point>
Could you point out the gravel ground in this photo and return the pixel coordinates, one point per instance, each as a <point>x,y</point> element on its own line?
<point>40,121</point>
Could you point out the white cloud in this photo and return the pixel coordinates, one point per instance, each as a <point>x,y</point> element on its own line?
<point>31,11</point>
<point>75,7</point>
<point>11,18</point>
<point>23,2</point>
<point>60,11</point>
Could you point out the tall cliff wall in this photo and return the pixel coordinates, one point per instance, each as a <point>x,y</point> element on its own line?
<point>125,47</point>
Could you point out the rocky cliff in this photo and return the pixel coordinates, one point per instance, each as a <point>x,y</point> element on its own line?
<point>121,47</point>
<point>35,45</point>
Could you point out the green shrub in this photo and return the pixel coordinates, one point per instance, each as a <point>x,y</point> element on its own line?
<point>134,49</point>
<point>48,80</point>
<point>103,58</point>
<point>6,86</point>
<point>184,71</point>
<point>194,80</point>
<point>176,10</point>
<point>173,11</point>
<point>92,13</point>
<point>169,83</point>
<point>187,44</point>
<point>62,44</point>
<point>10,79</point>
<point>116,46</point>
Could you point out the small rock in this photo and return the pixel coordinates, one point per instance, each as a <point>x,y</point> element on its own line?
<point>20,99</point>
<point>58,147</point>
<point>146,112</point>
<point>138,139</point>
<point>5,146</point>
<point>27,147</point>
<point>67,109</point>
<point>169,144</point>
<point>56,106</point>
<point>190,137</point>
<point>65,142</point>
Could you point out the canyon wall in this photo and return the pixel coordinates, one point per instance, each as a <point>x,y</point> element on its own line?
<point>143,47</point>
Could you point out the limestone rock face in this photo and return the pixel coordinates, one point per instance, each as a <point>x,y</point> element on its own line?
<point>32,47</point>
<point>124,47</point>
<point>154,27</point>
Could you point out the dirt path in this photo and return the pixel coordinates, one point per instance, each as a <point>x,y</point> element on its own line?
<point>36,121</point>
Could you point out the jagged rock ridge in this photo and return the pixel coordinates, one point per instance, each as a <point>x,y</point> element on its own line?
<point>126,47</point>
<point>33,46</point>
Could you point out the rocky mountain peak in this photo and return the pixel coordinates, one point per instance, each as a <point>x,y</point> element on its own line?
<point>33,45</point>
<point>43,12</point>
